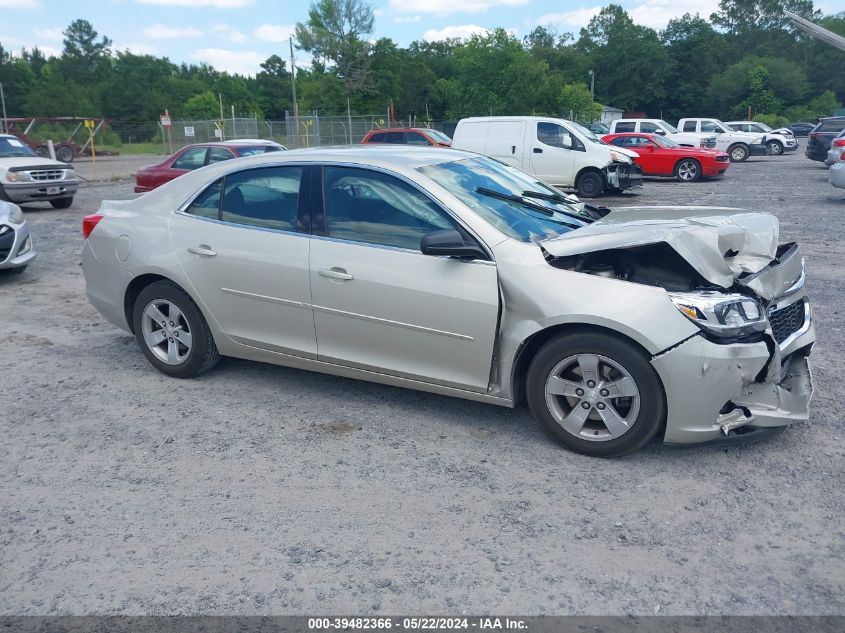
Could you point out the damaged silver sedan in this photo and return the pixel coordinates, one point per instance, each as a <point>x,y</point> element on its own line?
<point>451,273</point>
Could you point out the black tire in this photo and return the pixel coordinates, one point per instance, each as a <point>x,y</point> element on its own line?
<point>688,170</point>
<point>775,148</point>
<point>203,354</point>
<point>3,195</point>
<point>13,271</point>
<point>590,184</point>
<point>62,203</point>
<point>739,152</point>
<point>65,154</point>
<point>652,401</point>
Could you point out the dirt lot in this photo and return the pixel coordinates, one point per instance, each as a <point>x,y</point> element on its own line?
<point>258,489</point>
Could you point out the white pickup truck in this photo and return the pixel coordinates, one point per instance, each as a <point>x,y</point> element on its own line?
<point>659,126</point>
<point>738,145</point>
<point>26,177</point>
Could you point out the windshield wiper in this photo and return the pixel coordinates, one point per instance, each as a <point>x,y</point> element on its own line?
<point>559,197</point>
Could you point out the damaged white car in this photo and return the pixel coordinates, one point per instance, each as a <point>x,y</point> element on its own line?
<point>452,273</point>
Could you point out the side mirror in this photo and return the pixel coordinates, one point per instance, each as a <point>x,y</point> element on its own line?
<point>660,131</point>
<point>566,141</point>
<point>450,243</point>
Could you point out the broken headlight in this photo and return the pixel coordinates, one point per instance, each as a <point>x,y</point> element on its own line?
<point>725,315</point>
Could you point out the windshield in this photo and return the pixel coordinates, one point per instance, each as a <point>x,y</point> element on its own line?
<point>438,136</point>
<point>671,129</point>
<point>585,132</point>
<point>663,141</point>
<point>473,179</point>
<point>10,146</point>
<point>763,127</point>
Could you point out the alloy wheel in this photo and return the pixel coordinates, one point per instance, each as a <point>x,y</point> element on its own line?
<point>687,170</point>
<point>592,397</point>
<point>166,331</point>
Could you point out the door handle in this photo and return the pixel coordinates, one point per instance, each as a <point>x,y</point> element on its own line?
<point>513,149</point>
<point>335,273</point>
<point>202,249</point>
<point>538,150</point>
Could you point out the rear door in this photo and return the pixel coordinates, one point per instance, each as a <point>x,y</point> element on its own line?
<point>505,142</point>
<point>246,254</point>
<point>379,303</point>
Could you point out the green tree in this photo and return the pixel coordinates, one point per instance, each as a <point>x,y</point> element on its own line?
<point>760,99</point>
<point>86,57</point>
<point>204,106</point>
<point>335,33</point>
<point>729,89</point>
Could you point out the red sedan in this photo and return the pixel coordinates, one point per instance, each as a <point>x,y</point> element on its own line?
<point>660,156</point>
<point>408,136</point>
<point>198,155</point>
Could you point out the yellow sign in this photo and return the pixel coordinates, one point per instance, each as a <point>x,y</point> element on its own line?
<point>89,123</point>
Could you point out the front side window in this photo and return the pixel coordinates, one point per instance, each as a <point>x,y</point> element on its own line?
<point>394,137</point>
<point>709,126</point>
<point>415,138</point>
<point>553,134</point>
<point>267,197</point>
<point>379,137</point>
<point>192,158</point>
<point>376,208</point>
<point>647,127</point>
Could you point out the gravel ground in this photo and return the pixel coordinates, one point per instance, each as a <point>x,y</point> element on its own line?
<point>259,489</point>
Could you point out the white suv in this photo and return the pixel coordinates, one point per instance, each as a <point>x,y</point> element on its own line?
<point>778,141</point>
<point>659,126</point>
<point>738,145</point>
<point>26,177</point>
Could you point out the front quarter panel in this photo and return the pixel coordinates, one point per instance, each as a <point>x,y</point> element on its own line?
<point>537,296</point>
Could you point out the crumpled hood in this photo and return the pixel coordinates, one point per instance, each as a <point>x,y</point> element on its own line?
<point>722,244</point>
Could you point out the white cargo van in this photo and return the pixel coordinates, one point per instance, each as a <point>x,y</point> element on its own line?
<point>557,151</point>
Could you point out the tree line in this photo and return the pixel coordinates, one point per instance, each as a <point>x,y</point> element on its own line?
<point>745,57</point>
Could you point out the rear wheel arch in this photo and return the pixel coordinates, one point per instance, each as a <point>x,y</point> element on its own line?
<point>529,348</point>
<point>134,289</point>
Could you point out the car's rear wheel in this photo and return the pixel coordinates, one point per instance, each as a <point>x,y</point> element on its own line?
<point>739,153</point>
<point>595,393</point>
<point>775,148</point>
<point>590,184</point>
<point>62,203</point>
<point>688,170</point>
<point>172,332</point>
<point>64,154</point>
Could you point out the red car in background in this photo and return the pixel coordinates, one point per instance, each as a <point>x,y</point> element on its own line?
<point>660,156</point>
<point>408,136</point>
<point>198,155</point>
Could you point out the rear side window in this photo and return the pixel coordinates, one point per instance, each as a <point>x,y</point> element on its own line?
<point>627,126</point>
<point>217,154</point>
<point>689,126</point>
<point>266,198</point>
<point>192,158</point>
<point>207,204</point>
<point>377,138</point>
<point>831,125</point>
<point>376,208</point>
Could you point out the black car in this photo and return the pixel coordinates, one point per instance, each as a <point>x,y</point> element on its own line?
<point>822,135</point>
<point>801,129</point>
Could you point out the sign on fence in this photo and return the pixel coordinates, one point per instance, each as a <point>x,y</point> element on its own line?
<point>189,131</point>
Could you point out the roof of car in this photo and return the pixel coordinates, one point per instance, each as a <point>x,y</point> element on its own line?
<point>399,129</point>
<point>389,155</point>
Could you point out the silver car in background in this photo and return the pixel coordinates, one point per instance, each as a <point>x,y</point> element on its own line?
<point>449,272</point>
<point>16,247</point>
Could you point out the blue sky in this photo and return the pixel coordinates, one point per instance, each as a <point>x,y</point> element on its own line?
<point>237,35</point>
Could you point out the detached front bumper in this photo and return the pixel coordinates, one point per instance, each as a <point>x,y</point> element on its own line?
<point>713,389</point>
<point>623,175</point>
<point>39,191</point>
<point>759,149</point>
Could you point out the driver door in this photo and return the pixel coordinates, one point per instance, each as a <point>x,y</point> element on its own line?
<point>380,304</point>
<point>553,153</point>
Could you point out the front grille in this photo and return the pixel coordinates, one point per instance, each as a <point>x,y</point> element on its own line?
<point>47,174</point>
<point>7,239</point>
<point>787,320</point>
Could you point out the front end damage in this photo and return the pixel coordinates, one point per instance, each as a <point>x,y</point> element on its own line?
<point>619,175</point>
<point>718,383</point>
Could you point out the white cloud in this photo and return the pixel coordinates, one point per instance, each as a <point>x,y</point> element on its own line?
<point>577,18</point>
<point>163,32</point>
<point>20,4</point>
<point>274,32</point>
<point>408,20</point>
<point>464,31</point>
<point>54,33</point>
<point>216,4</point>
<point>227,32</point>
<point>240,62</point>
<point>446,7</point>
<point>657,13</point>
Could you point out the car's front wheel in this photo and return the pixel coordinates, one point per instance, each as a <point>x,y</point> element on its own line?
<point>595,393</point>
<point>688,170</point>
<point>172,332</point>
<point>739,153</point>
<point>775,148</point>
<point>590,184</point>
<point>62,203</point>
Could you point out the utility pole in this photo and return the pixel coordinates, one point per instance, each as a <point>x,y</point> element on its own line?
<point>3,101</point>
<point>222,120</point>
<point>293,87</point>
<point>592,84</point>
